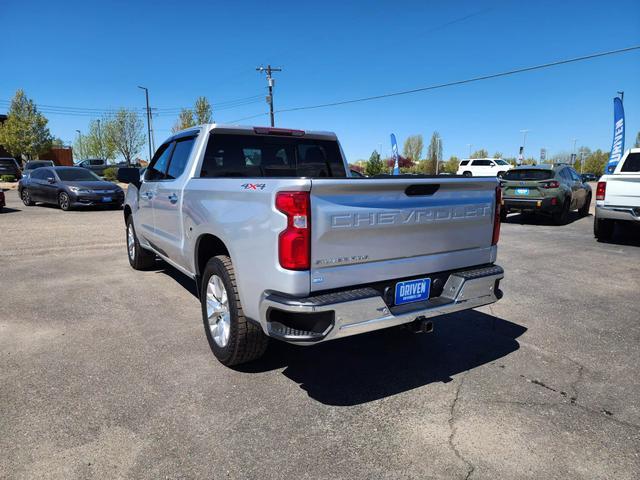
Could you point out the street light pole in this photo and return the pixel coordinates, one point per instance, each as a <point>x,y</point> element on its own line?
<point>146,94</point>
<point>79,139</point>
<point>100,140</point>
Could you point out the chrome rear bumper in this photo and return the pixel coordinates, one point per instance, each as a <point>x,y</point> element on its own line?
<point>612,212</point>
<point>364,310</point>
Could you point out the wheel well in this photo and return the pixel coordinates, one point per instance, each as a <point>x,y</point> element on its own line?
<point>208,246</point>
<point>127,212</point>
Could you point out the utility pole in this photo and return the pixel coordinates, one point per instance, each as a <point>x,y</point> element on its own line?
<point>79,139</point>
<point>269,69</point>
<point>146,94</point>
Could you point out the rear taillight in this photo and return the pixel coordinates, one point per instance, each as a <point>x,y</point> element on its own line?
<point>601,190</point>
<point>551,184</point>
<point>496,220</point>
<point>294,243</point>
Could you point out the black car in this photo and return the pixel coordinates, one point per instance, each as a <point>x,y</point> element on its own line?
<point>31,165</point>
<point>9,166</point>
<point>69,187</point>
<point>589,177</point>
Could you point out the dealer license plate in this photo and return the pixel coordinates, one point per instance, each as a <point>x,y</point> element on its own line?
<point>106,199</point>
<point>412,290</point>
<point>522,191</point>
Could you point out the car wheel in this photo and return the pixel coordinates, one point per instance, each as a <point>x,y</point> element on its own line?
<point>603,228</point>
<point>26,198</point>
<point>139,258</point>
<point>584,211</point>
<point>467,174</point>
<point>562,217</point>
<point>64,201</point>
<point>232,338</point>
<point>503,214</point>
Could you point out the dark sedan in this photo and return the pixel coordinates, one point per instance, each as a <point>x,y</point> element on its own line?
<point>69,187</point>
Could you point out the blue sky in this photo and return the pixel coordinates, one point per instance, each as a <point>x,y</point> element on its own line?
<point>93,55</point>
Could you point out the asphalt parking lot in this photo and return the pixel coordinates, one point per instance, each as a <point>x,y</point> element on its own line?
<point>106,373</point>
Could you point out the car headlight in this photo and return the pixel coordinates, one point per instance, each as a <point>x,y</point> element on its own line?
<point>80,190</point>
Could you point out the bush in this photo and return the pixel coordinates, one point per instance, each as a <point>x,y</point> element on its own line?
<point>111,174</point>
<point>7,178</point>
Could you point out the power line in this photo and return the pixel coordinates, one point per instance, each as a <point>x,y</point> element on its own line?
<point>462,82</point>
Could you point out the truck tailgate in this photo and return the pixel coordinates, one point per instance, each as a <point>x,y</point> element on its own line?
<point>623,190</point>
<point>369,230</point>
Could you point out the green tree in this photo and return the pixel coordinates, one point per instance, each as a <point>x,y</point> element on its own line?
<point>413,146</point>
<point>596,162</point>
<point>202,110</point>
<point>25,131</point>
<point>451,165</point>
<point>126,133</point>
<point>497,155</point>
<point>95,143</point>
<point>375,165</point>
<point>185,120</point>
<point>482,153</point>
<point>434,154</point>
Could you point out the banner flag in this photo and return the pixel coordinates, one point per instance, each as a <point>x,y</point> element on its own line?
<point>394,149</point>
<point>617,147</point>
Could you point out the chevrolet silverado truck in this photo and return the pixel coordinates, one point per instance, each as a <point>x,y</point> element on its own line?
<point>618,196</point>
<point>284,243</point>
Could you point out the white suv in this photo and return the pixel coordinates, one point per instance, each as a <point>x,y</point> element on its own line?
<point>483,167</point>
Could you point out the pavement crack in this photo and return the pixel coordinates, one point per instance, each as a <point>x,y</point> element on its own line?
<point>453,429</point>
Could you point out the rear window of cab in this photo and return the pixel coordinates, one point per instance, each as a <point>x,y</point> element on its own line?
<point>632,163</point>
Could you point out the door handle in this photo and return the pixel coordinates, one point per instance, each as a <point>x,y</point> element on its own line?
<point>173,198</point>
<point>147,195</point>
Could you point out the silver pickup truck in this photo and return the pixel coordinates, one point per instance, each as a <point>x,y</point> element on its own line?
<point>284,243</point>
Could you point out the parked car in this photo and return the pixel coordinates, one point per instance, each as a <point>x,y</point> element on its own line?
<point>9,166</point>
<point>96,165</point>
<point>31,165</point>
<point>483,167</point>
<point>283,243</point>
<point>618,196</point>
<point>547,189</point>
<point>3,202</point>
<point>69,187</point>
<point>589,177</point>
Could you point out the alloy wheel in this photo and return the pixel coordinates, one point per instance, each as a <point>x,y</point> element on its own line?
<point>218,314</point>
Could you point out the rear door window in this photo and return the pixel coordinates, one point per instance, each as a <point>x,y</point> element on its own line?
<point>632,163</point>
<point>482,163</point>
<point>229,155</point>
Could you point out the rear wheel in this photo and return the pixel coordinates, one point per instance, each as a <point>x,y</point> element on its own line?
<point>503,214</point>
<point>64,201</point>
<point>603,228</point>
<point>232,338</point>
<point>562,217</point>
<point>584,211</point>
<point>26,198</point>
<point>139,258</point>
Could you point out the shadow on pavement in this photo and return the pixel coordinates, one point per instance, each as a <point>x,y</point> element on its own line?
<point>625,233</point>
<point>185,282</point>
<point>9,210</point>
<point>541,219</point>
<point>369,367</point>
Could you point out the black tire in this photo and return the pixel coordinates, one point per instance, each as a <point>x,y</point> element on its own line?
<point>584,211</point>
<point>562,217</point>
<point>139,258</point>
<point>246,340</point>
<point>64,202</point>
<point>503,214</point>
<point>603,228</point>
<point>26,198</point>
<point>467,174</point>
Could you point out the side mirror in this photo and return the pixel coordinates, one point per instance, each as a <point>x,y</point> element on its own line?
<point>51,180</point>
<point>129,175</point>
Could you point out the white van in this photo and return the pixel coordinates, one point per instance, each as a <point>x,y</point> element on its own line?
<point>483,167</point>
